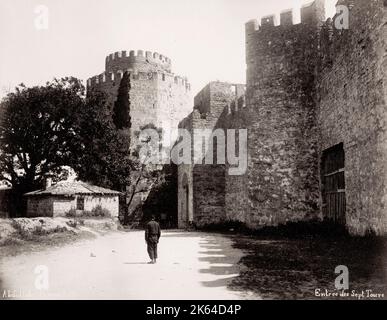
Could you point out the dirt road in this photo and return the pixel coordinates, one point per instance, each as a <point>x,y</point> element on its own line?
<point>114,266</point>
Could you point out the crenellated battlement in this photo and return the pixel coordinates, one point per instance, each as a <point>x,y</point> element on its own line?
<point>139,55</point>
<point>114,78</point>
<point>322,39</point>
<point>137,59</point>
<point>267,35</point>
<point>312,13</point>
<point>267,38</point>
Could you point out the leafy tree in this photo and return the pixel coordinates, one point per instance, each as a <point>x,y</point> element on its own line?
<point>120,167</point>
<point>106,158</point>
<point>47,129</point>
<point>121,109</point>
<point>39,132</point>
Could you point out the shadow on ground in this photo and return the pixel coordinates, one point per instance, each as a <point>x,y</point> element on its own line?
<point>216,250</point>
<point>285,267</point>
<point>181,234</point>
<point>295,268</point>
<point>223,261</point>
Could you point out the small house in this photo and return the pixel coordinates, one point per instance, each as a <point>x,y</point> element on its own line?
<point>67,198</point>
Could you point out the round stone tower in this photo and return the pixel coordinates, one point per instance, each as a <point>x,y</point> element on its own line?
<point>157,96</point>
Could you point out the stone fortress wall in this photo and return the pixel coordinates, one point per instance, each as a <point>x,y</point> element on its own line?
<point>310,89</point>
<point>201,187</point>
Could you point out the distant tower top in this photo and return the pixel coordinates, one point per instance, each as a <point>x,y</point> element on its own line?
<point>138,60</point>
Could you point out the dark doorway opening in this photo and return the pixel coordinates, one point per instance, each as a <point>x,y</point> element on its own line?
<point>185,202</point>
<point>333,184</point>
<point>186,189</point>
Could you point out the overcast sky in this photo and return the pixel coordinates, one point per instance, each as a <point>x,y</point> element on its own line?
<point>204,38</point>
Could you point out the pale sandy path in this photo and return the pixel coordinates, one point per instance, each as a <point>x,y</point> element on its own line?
<point>191,266</point>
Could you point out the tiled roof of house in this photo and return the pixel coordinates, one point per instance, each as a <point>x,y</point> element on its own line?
<point>73,188</point>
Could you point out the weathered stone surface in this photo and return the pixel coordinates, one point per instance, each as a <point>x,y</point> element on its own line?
<point>157,96</point>
<point>310,87</point>
<point>283,166</point>
<point>351,104</point>
<point>206,184</point>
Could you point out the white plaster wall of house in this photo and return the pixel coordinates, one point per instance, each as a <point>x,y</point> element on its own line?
<point>109,203</point>
<point>63,205</point>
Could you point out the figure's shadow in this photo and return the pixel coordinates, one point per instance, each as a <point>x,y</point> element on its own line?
<point>135,263</point>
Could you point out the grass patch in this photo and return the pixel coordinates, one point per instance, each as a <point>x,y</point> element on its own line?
<point>36,231</point>
<point>14,246</point>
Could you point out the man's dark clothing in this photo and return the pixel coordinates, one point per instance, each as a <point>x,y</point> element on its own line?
<point>152,237</point>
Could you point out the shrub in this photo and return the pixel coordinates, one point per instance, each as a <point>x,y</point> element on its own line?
<point>39,231</point>
<point>20,230</point>
<point>71,213</point>
<point>87,214</point>
<point>98,211</point>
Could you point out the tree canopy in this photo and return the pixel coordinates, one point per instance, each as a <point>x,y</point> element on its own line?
<point>46,129</point>
<point>39,131</point>
<point>121,110</point>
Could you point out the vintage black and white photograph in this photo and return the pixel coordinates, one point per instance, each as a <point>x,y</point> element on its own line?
<point>184,150</point>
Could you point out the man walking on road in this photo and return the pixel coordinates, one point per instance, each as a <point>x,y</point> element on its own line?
<point>152,237</point>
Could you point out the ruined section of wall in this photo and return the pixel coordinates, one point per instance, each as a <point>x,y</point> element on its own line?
<point>207,181</point>
<point>283,180</point>
<point>211,103</point>
<point>352,110</point>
